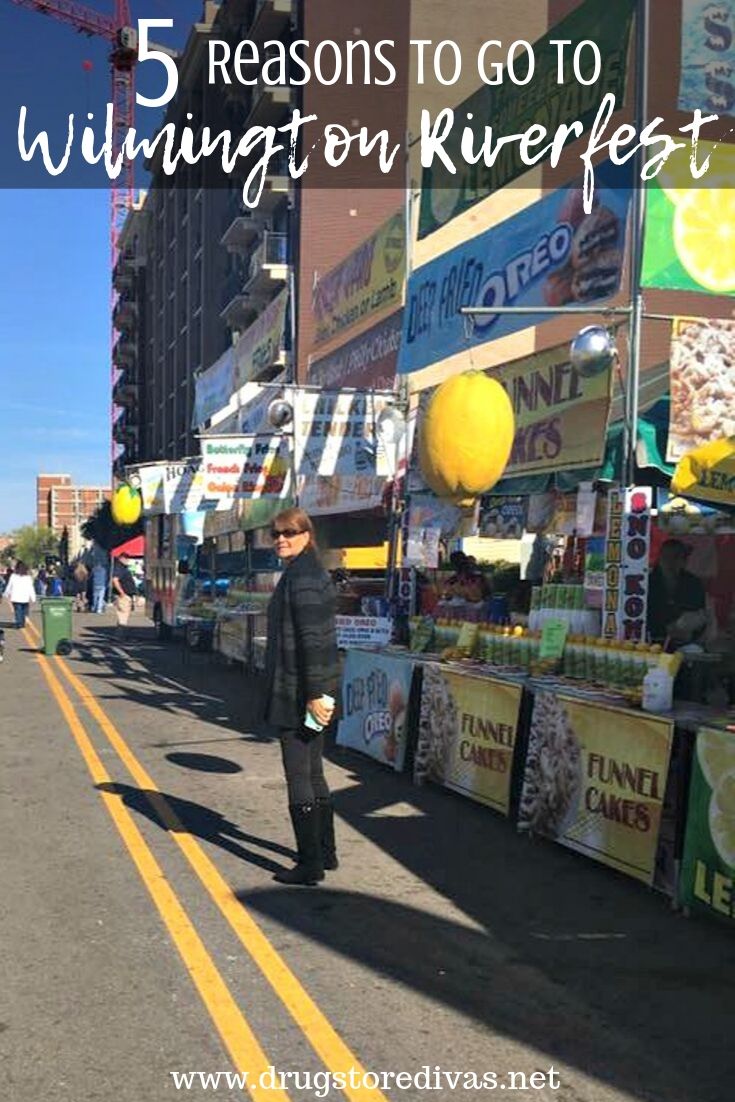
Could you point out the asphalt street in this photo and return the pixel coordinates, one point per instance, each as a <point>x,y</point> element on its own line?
<point>142,815</point>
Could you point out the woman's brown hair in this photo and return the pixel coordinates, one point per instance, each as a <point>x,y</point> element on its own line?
<point>297,518</point>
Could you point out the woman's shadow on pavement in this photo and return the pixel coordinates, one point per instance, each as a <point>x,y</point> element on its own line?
<point>178,816</point>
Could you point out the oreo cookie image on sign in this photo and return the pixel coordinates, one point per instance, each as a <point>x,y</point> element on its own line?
<point>596,259</point>
<point>599,230</point>
<point>598,277</point>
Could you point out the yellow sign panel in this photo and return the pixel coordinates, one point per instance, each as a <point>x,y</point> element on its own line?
<point>467,734</point>
<point>368,281</point>
<point>595,779</point>
<point>708,472</point>
<point>560,414</point>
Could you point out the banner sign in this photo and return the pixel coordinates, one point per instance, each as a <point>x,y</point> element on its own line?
<point>678,516</point>
<point>376,691</point>
<point>183,486</point>
<point>261,344</point>
<point>339,466</point>
<point>151,487</point>
<point>636,546</point>
<point>686,244</point>
<point>708,472</point>
<point>422,546</point>
<point>707,57</point>
<point>467,734</point>
<point>595,780</point>
<point>702,384</point>
<point>214,388</point>
<point>560,414</point>
<point>252,415</point>
<point>503,517</point>
<point>363,631</point>
<point>707,881</point>
<point>369,360</point>
<point>627,551</point>
<point>251,467</point>
<point>613,564</point>
<point>369,280</point>
<point>550,254</point>
<point>543,102</point>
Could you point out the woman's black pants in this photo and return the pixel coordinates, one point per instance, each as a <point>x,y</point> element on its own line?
<point>302,761</point>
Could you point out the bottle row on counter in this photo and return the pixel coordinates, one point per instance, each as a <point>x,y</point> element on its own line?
<point>584,658</point>
<point>566,603</point>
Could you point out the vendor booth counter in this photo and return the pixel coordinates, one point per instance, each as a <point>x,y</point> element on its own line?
<point>573,763</point>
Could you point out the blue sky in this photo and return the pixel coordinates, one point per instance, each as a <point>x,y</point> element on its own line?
<point>55,275</point>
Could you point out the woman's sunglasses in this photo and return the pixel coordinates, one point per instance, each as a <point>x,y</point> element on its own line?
<point>289,533</point>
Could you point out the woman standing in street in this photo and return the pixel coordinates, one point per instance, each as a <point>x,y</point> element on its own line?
<point>301,668</point>
<point>20,592</point>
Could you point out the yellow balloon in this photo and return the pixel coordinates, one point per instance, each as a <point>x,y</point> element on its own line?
<point>466,436</point>
<point>126,505</point>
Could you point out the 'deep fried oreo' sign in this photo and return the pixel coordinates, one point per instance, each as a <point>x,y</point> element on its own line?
<point>551,254</point>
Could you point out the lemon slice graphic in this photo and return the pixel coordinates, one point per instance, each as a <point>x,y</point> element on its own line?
<point>722,818</point>
<point>716,754</point>
<point>675,177</point>
<point>704,237</point>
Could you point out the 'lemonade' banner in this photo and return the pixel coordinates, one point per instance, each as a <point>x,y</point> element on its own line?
<point>369,280</point>
<point>467,734</point>
<point>708,869</point>
<point>376,691</point>
<point>595,780</point>
<point>689,229</point>
<point>707,57</point>
<point>550,254</point>
<point>543,102</point>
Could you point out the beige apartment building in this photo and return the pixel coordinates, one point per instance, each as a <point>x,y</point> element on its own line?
<point>62,505</point>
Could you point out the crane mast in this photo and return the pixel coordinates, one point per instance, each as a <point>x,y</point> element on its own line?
<point>118,31</point>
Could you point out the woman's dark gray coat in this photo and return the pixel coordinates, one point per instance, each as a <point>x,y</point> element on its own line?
<point>301,657</point>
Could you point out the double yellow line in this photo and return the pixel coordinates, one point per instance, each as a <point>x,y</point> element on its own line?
<point>237,1036</point>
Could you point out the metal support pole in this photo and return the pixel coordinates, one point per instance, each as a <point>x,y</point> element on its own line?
<point>638,221</point>
<point>556,311</point>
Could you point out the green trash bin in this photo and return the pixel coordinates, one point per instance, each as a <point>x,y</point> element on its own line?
<point>57,629</point>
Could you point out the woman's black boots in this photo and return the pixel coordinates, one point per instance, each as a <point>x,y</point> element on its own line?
<point>309,869</point>
<point>326,833</point>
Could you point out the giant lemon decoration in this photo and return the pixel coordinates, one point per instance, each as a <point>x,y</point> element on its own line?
<point>466,436</point>
<point>126,505</point>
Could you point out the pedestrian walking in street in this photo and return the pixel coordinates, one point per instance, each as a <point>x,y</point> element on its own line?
<point>301,669</point>
<point>41,581</point>
<point>123,591</point>
<point>99,586</point>
<point>80,578</point>
<point>20,593</point>
<point>54,585</point>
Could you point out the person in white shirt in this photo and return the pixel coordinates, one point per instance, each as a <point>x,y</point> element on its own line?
<point>20,593</point>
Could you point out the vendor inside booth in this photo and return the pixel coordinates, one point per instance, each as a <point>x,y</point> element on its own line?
<point>677,602</point>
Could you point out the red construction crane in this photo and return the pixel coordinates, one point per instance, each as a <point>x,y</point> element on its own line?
<point>118,30</point>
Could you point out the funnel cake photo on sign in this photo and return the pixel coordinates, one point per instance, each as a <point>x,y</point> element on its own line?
<point>437,728</point>
<point>702,384</point>
<point>552,781</point>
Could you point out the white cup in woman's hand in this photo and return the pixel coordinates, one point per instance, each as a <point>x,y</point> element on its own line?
<point>322,709</point>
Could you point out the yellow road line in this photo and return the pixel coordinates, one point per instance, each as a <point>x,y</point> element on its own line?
<point>316,1027</point>
<point>237,1036</point>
